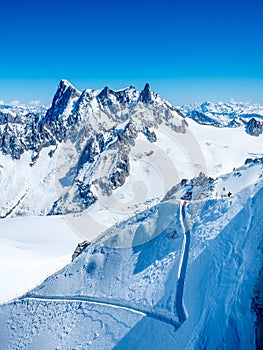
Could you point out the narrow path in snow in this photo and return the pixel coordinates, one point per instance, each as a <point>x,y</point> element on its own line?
<point>179,303</point>
<point>145,311</point>
<point>161,316</point>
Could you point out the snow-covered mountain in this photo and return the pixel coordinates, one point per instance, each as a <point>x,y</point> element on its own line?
<point>157,272</point>
<point>18,128</point>
<point>87,140</point>
<point>231,114</point>
<point>99,144</point>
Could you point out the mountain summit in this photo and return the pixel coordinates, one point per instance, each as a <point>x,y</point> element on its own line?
<point>145,95</point>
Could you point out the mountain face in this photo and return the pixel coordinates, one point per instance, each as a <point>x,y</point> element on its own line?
<point>90,136</point>
<point>91,147</point>
<point>254,127</point>
<point>227,115</point>
<point>18,129</point>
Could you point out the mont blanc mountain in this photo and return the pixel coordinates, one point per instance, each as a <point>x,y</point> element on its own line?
<point>168,203</point>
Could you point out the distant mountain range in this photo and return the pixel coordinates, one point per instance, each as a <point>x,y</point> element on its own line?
<point>231,114</point>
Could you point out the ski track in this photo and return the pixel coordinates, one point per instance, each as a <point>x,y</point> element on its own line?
<point>161,316</point>
<point>90,308</point>
<point>180,307</point>
<point>143,311</point>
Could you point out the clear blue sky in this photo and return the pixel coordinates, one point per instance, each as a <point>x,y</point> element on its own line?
<point>187,50</point>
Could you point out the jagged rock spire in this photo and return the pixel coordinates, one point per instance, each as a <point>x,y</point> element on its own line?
<point>64,93</point>
<point>104,93</point>
<point>145,95</point>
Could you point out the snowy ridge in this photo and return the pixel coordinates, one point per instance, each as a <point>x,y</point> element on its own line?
<point>221,270</point>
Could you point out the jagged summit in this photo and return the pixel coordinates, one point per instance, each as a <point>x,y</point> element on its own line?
<point>64,94</point>
<point>107,96</point>
<point>63,86</point>
<point>104,93</point>
<point>145,95</point>
<point>123,96</point>
<point>65,82</point>
<point>102,128</point>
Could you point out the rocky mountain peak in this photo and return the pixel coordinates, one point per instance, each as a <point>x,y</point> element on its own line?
<point>254,127</point>
<point>104,94</point>
<point>64,94</point>
<point>145,95</point>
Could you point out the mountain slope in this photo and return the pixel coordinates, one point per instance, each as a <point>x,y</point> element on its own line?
<point>101,300</point>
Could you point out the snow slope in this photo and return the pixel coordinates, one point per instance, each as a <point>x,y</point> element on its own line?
<point>225,148</point>
<point>114,294</point>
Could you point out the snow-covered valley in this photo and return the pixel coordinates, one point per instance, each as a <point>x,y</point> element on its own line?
<point>32,248</point>
<point>171,207</point>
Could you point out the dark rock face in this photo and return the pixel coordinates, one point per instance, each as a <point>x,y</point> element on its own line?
<point>64,94</point>
<point>254,127</point>
<point>151,136</point>
<point>84,195</point>
<point>89,153</point>
<point>197,188</point>
<point>201,118</point>
<point>120,173</point>
<point>145,95</point>
<point>254,161</point>
<point>104,94</point>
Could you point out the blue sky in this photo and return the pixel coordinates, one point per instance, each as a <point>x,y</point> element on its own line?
<point>189,51</point>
